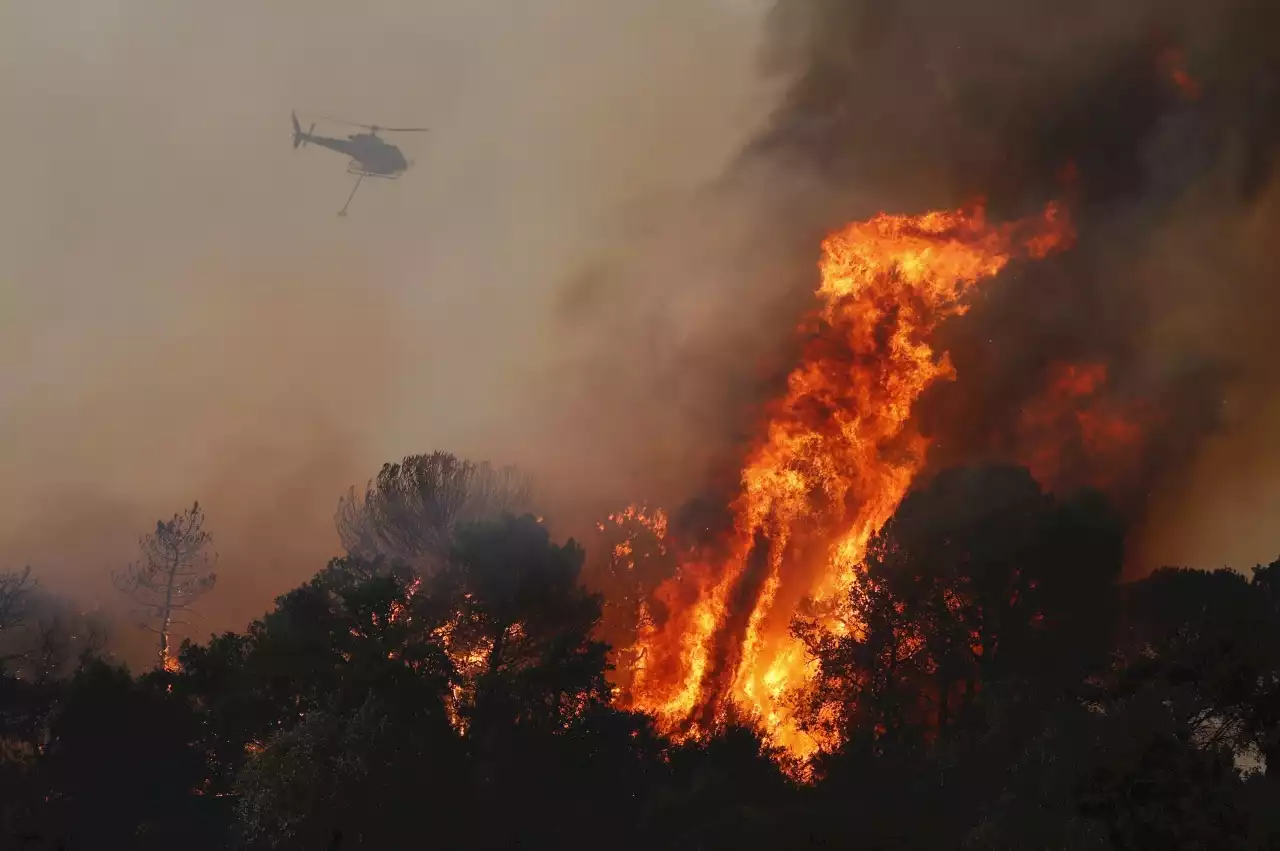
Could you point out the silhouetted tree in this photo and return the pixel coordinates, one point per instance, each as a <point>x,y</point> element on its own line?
<point>370,778</point>
<point>726,792</point>
<point>42,634</point>
<point>119,769</point>
<point>1126,775</point>
<point>409,511</point>
<point>371,686</point>
<point>15,594</point>
<point>997,690</point>
<point>327,647</point>
<point>979,578</point>
<point>175,570</point>
<point>1262,719</point>
<point>626,562</point>
<point>328,717</point>
<point>522,624</point>
<point>1210,642</point>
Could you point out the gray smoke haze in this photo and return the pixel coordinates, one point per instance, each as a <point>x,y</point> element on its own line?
<point>598,260</point>
<point>183,317</point>
<point>671,340</point>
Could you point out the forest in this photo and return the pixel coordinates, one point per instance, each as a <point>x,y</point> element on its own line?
<point>456,681</point>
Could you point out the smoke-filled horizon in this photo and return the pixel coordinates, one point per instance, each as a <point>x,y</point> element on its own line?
<point>596,265</point>
<point>1111,363</point>
<point>1156,123</point>
<point>183,317</point>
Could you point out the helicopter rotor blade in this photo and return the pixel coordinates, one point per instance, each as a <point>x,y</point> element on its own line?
<point>349,123</point>
<point>374,127</point>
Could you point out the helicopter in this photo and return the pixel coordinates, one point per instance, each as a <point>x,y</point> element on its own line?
<point>371,155</point>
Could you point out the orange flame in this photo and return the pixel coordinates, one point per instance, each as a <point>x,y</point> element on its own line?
<point>837,454</point>
<point>1074,409</point>
<point>1173,64</point>
<point>654,521</point>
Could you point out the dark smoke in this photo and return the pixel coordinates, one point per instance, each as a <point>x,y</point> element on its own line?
<point>1158,123</point>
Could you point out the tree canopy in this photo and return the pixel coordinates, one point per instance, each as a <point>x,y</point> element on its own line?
<point>408,512</point>
<point>1002,689</point>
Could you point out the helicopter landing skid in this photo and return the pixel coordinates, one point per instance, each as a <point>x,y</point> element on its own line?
<point>343,211</point>
<point>355,169</point>
<point>361,174</point>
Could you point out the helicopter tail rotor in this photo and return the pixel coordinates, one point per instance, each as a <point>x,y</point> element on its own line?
<point>300,138</point>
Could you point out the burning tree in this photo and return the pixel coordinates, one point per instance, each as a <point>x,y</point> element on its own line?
<point>408,513</point>
<point>980,584</point>
<point>838,452</point>
<point>174,571</point>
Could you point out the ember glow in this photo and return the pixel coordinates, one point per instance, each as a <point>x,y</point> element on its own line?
<point>836,454</point>
<point>1076,425</point>
<point>655,521</point>
<point>1173,64</point>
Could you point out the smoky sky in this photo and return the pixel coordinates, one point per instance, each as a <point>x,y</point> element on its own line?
<point>183,317</point>
<point>595,266</point>
<point>1155,122</point>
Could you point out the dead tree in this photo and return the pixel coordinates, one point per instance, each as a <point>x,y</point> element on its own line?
<point>15,588</point>
<point>408,513</point>
<point>174,571</point>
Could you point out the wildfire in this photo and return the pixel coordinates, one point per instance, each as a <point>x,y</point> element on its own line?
<point>655,521</point>
<point>1075,415</point>
<point>835,457</point>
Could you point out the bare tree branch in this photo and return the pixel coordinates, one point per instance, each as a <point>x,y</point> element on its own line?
<point>175,570</point>
<point>39,631</point>
<point>15,588</point>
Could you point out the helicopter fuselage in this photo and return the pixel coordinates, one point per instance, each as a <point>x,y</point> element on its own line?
<point>370,154</point>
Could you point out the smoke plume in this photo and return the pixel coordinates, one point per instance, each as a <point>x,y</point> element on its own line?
<point>596,266</point>
<point>182,316</point>
<point>1156,123</point>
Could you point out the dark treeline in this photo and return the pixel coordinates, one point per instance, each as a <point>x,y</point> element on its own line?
<point>444,687</point>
